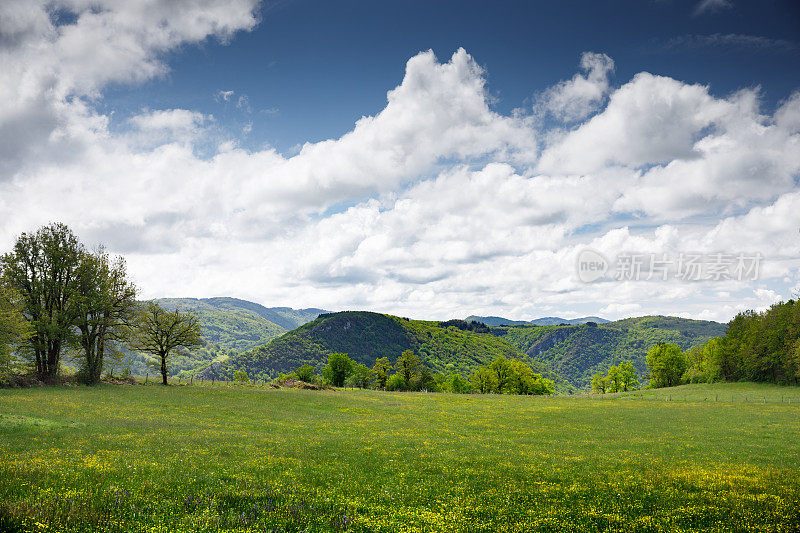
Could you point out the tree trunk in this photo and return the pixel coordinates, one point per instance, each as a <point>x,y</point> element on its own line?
<point>163,369</point>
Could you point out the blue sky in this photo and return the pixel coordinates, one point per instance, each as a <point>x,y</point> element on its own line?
<point>310,69</point>
<point>427,159</point>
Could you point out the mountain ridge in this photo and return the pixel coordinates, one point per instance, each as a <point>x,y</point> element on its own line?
<point>543,321</point>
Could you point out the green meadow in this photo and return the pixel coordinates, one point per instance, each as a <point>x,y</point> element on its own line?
<point>225,458</point>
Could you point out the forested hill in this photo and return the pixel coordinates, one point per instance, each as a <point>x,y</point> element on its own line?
<point>239,325</point>
<point>453,346</point>
<point>578,351</point>
<point>229,326</point>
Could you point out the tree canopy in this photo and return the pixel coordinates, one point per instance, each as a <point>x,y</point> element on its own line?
<point>42,269</point>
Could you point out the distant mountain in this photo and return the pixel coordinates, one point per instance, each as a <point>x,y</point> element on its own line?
<point>578,351</point>
<point>239,324</point>
<point>545,321</point>
<point>229,326</point>
<point>453,346</point>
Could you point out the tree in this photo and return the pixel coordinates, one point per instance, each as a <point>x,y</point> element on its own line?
<point>339,367</point>
<point>13,326</point>
<point>502,370</point>
<point>614,379</point>
<point>629,377</point>
<point>305,373</point>
<point>42,269</point>
<point>667,365</point>
<point>455,384</point>
<point>157,331</point>
<point>510,376</point>
<point>105,303</point>
<point>483,380</point>
<point>360,376</point>
<point>408,367</point>
<point>599,383</point>
<point>380,372</point>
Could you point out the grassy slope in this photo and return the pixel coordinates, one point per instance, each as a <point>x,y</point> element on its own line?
<point>576,352</point>
<point>236,459</point>
<point>367,336</point>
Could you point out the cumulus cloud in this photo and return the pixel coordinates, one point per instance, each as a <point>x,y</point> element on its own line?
<point>577,98</point>
<point>50,67</point>
<point>436,206</point>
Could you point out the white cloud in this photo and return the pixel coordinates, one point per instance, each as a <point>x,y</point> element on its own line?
<point>48,68</point>
<point>577,98</point>
<point>449,206</point>
<point>223,96</point>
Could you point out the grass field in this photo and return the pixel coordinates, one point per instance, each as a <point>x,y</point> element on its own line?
<point>135,458</point>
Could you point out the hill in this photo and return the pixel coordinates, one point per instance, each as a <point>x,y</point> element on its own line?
<point>453,346</point>
<point>544,321</point>
<point>578,351</point>
<point>230,326</point>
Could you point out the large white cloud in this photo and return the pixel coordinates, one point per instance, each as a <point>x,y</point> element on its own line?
<point>450,207</point>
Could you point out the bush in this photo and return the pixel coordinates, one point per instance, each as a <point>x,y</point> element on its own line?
<point>396,382</point>
<point>305,373</point>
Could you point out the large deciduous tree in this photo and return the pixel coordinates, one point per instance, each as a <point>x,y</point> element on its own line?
<point>380,372</point>
<point>42,269</point>
<point>409,367</point>
<point>157,331</point>
<point>106,301</point>
<point>667,365</point>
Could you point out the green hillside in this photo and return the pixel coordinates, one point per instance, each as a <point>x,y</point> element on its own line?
<point>230,326</point>
<point>578,351</point>
<point>443,346</point>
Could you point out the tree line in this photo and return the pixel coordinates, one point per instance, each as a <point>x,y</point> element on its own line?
<point>408,373</point>
<point>57,296</point>
<point>757,346</point>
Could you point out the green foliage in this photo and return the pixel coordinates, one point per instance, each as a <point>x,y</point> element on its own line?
<point>455,383</point>
<point>42,269</point>
<point>620,378</point>
<point>338,368</point>
<point>600,383</point>
<point>409,368</point>
<point>396,383</point>
<point>379,375</point>
<point>361,376</point>
<point>305,373</point>
<point>629,377</point>
<point>757,347</point>
<point>105,303</point>
<point>369,337</point>
<point>510,376</point>
<point>667,365</point>
<point>13,326</point>
<point>577,352</point>
<point>240,376</point>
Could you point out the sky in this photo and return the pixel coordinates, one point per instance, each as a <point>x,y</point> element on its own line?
<point>426,159</point>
